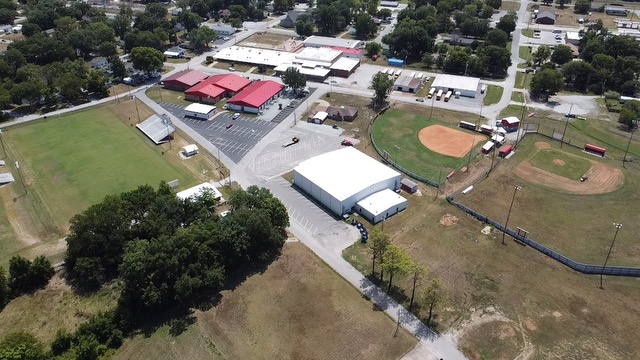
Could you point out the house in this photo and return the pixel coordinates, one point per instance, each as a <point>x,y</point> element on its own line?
<point>546,18</point>
<point>183,80</point>
<point>174,52</point>
<point>615,10</point>
<point>215,87</point>
<point>572,37</point>
<point>178,27</point>
<point>255,97</point>
<point>342,113</point>
<point>289,21</point>
<point>175,11</point>
<point>222,29</point>
<point>99,63</point>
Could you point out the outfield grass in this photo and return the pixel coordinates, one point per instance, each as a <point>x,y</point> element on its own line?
<point>297,309</point>
<point>160,94</point>
<point>493,95</point>
<point>75,160</point>
<point>572,167</point>
<point>400,128</point>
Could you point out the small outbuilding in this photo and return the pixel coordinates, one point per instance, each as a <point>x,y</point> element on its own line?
<point>342,113</point>
<point>6,178</point>
<point>319,117</point>
<point>505,150</point>
<point>408,186</point>
<point>200,111</point>
<point>379,206</point>
<point>156,128</point>
<point>510,124</point>
<point>395,62</point>
<point>487,147</point>
<point>408,84</point>
<point>190,150</point>
<point>199,190</point>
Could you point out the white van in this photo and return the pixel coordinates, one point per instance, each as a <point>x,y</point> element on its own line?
<point>398,72</point>
<point>431,92</point>
<point>439,95</point>
<point>384,71</point>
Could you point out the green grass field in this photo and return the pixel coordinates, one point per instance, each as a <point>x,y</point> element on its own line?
<point>493,95</point>
<point>523,80</point>
<point>569,166</point>
<point>400,128</point>
<point>74,161</point>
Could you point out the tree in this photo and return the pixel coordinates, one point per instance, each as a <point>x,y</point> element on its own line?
<point>379,244</point>
<point>189,20</point>
<point>546,82</point>
<point>381,84</point>
<point>147,59</point>
<point>304,28</point>
<point>118,68</point>
<point>201,37</point>
<point>294,79</point>
<point>395,261</point>
<point>372,48</point>
<point>97,83</point>
<point>582,6</point>
<point>561,55</point>
<point>22,346</point>
<point>497,37</point>
<point>561,3</point>
<point>419,273</point>
<point>630,113</point>
<point>456,61</point>
<point>281,6</point>
<point>385,13</point>
<point>5,295</point>
<point>433,298</point>
<point>496,4</point>
<point>507,23</point>
<point>365,26</point>
<point>541,55</point>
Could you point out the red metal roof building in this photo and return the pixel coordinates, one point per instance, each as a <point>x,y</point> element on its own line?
<point>255,97</point>
<point>183,80</point>
<point>348,52</point>
<point>215,87</point>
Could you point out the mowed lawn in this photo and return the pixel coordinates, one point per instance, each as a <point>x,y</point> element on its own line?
<point>560,163</point>
<point>400,128</point>
<point>297,309</point>
<point>76,160</point>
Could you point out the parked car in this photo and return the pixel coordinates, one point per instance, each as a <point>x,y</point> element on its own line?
<point>420,99</point>
<point>558,37</point>
<point>235,116</point>
<point>229,126</point>
<point>232,69</point>
<point>346,143</point>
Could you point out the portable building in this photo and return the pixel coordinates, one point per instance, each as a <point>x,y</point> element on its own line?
<point>319,117</point>
<point>379,206</point>
<point>408,186</point>
<point>395,62</point>
<point>595,150</point>
<point>200,111</point>
<point>467,125</point>
<point>498,139</point>
<point>510,123</point>
<point>505,150</point>
<point>487,147</point>
<point>190,150</point>
<point>340,178</point>
<point>486,129</point>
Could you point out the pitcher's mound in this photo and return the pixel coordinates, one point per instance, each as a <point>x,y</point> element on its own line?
<point>558,162</point>
<point>448,141</point>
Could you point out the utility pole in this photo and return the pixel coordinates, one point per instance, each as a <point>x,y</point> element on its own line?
<point>4,152</point>
<point>617,226</point>
<point>506,223</point>
<point>397,148</point>
<point>433,99</point>
<point>438,187</point>
<point>135,101</point>
<point>624,159</point>
<point>470,151</point>
<point>567,116</point>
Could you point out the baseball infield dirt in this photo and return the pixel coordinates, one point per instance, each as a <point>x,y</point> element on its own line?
<point>447,141</point>
<point>601,178</point>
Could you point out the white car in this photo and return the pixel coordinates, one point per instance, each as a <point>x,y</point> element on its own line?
<point>235,116</point>
<point>225,38</point>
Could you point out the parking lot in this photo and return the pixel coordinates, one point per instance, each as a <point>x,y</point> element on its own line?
<point>233,137</point>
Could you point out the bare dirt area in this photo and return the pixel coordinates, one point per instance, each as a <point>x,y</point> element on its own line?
<point>447,141</point>
<point>602,179</point>
<point>265,40</point>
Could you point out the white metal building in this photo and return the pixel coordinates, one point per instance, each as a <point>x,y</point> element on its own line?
<point>190,150</point>
<point>341,178</point>
<point>200,111</point>
<point>156,128</point>
<point>379,206</point>
<point>198,190</point>
<point>466,86</point>
<point>322,41</point>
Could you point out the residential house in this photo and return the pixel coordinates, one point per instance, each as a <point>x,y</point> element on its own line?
<point>342,113</point>
<point>174,52</point>
<point>99,63</point>
<point>222,29</point>
<point>546,18</point>
<point>290,20</point>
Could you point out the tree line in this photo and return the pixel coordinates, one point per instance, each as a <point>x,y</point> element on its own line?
<point>165,252</point>
<point>393,261</point>
<point>24,277</point>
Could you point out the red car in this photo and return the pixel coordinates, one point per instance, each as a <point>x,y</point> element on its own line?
<point>346,143</point>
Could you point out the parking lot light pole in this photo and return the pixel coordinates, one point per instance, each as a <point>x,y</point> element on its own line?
<point>617,226</point>
<point>506,223</point>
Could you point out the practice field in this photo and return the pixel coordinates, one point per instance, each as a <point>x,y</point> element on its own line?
<point>448,141</point>
<point>397,133</point>
<point>73,161</point>
<point>297,309</point>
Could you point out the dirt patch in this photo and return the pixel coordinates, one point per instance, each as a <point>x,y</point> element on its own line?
<point>448,220</point>
<point>530,325</point>
<point>505,331</point>
<point>602,178</point>
<point>558,162</point>
<point>541,145</point>
<point>447,141</point>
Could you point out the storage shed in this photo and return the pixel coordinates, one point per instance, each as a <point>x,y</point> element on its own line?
<point>510,123</point>
<point>341,178</point>
<point>200,111</point>
<point>408,186</point>
<point>487,147</point>
<point>190,150</point>
<point>395,62</point>
<point>379,206</point>
<point>505,150</point>
<point>408,84</point>
<point>319,117</point>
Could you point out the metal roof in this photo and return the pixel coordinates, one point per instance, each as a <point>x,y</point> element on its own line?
<point>345,172</point>
<point>198,190</point>
<point>200,108</point>
<point>187,77</point>
<point>156,128</point>
<point>345,64</point>
<point>321,41</point>
<point>256,94</point>
<point>381,201</point>
<point>6,178</point>
<point>456,82</point>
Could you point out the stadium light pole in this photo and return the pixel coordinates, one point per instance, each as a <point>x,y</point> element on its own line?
<point>438,187</point>
<point>624,159</point>
<point>470,151</point>
<point>397,148</point>
<point>17,164</point>
<point>433,99</point>
<point>135,101</point>
<point>617,226</point>
<point>566,123</point>
<point>4,152</point>
<point>506,223</point>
